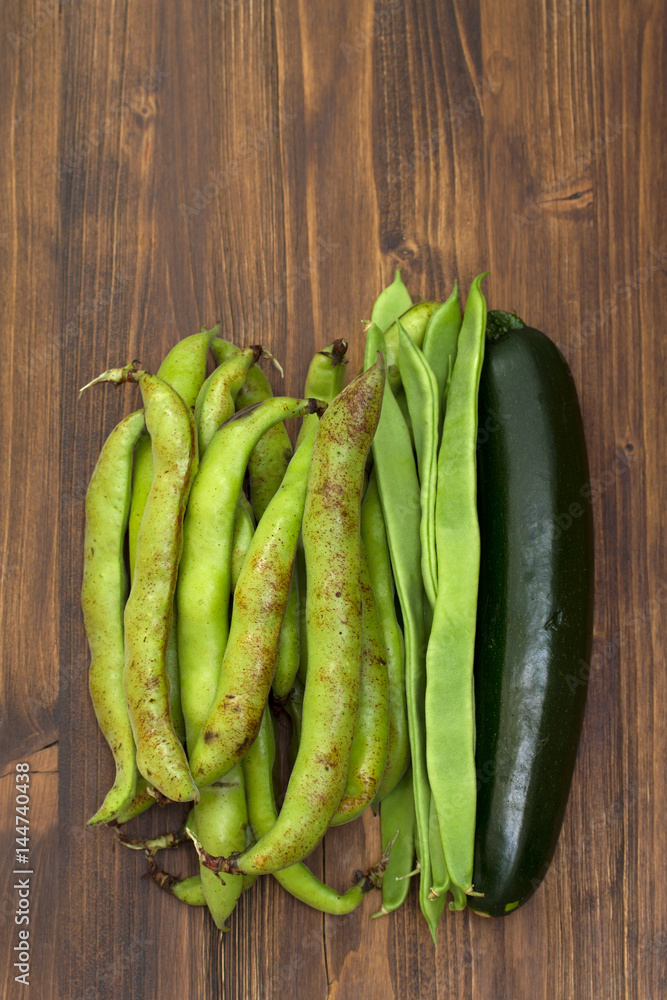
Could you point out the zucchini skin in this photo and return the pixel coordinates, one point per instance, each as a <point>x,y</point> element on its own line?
<point>535,610</point>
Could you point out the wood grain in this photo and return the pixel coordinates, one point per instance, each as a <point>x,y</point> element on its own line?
<point>269,164</point>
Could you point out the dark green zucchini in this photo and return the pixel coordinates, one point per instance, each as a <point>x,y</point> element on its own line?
<point>535,608</point>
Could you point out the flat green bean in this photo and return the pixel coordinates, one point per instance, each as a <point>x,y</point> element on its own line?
<point>439,873</point>
<point>398,486</point>
<point>440,340</point>
<point>374,538</point>
<point>414,321</point>
<point>391,303</point>
<point>421,390</point>
<point>397,821</point>
<point>449,709</point>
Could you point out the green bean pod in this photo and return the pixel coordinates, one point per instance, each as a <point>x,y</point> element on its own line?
<point>216,400</point>
<point>414,321</point>
<point>103,594</point>
<point>267,467</point>
<point>397,821</point>
<point>398,486</point>
<point>215,405</point>
<point>297,879</point>
<point>324,380</point>
<point>148,612</point>
<point>440,341</point>
<point>142,801</point>
<point>439,873</point>
<point>260,600</point>
<point>332,548</point>
<point>244,529</point>
<point>220,817</point>
<point>300,577</point>
<point>271,455</point>
<point>368,755</point>
<point>220,822</point>
<point>449,709</point>
<point>374,538</point>
<point>294,708</point>
<point>287,657</point>
<point>184,369</point>
<point>421,390</point>
<point>391,303</point>
<point>188,890</point>
<point>204,583</point>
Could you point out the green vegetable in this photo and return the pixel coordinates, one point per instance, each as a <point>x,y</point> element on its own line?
<point>332,548</point>
<point>421,391</point>
<point>297,879</point>
<point>398,486</point>
<point>204,581</point>
<point>374,538</point>
<point>369,746</point>
<point>260,598</point>
<point>397,818</point>
<point>148,612</point>
<point>391,303</point>
<point>103,594</point>
<point>449,710</point>
<point>535,608</point>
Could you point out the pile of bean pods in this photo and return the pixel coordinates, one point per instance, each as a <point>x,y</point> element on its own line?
<point>229,578</point>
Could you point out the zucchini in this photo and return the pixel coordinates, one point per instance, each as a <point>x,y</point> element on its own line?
<point>534,623</point>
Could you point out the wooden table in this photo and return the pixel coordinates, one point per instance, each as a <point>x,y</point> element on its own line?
<point>269,165</point>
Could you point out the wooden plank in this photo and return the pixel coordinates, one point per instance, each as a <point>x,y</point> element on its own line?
<point>269,165</point>
<point>29,380</point>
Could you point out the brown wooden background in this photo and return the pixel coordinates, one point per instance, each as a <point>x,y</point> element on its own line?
<point>338,140</point>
